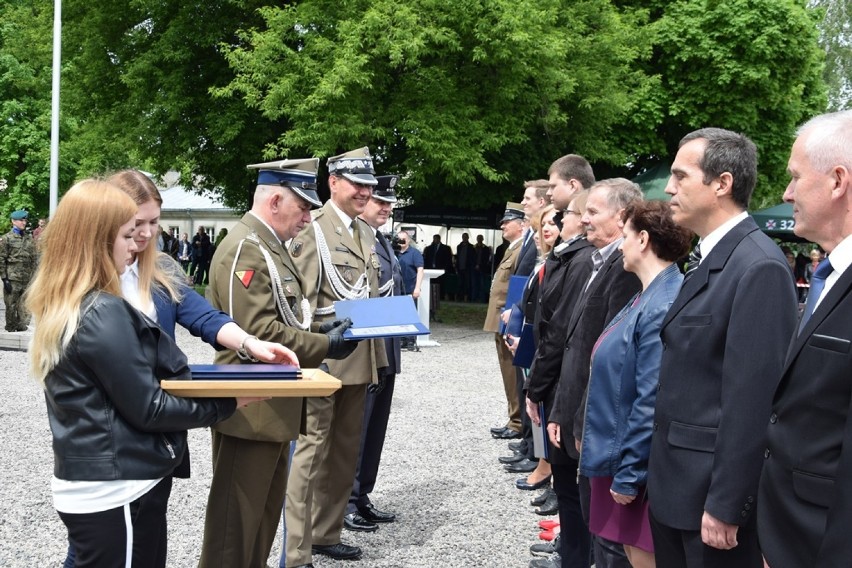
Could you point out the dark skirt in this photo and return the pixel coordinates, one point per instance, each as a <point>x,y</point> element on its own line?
<point>626,524</point>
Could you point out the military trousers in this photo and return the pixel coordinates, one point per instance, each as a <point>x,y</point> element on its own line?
<point>244,506</point>
<point>17,317</point>
<point>323,471</point>
<point>507,371</point>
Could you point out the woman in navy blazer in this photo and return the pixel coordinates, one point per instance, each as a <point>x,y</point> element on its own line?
<point>622,387</point>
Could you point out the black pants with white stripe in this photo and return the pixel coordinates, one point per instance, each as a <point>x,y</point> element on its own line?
<point>134,533</point>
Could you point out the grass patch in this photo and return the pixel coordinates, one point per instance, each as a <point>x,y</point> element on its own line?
<point>462,313</point>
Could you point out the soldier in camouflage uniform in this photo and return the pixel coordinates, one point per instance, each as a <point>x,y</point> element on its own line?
<point>17,263</point>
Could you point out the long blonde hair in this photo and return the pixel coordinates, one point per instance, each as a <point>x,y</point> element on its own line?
<point>76,258</point>
<point>537,223</point>
<point>156,270</point>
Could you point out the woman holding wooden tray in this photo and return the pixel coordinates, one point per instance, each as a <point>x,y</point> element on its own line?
<point>117,436</point>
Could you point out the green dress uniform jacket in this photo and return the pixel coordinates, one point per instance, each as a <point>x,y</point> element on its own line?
<point>351,261</point>
<point>500,287</point>
<point>254,309</point>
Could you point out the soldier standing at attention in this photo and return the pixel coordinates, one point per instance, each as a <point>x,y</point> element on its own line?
<point>336,259</point>
<point>253,279</point>
<point>18,255</point>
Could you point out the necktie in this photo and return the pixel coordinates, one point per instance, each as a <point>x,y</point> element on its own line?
<point>824,268</point>
<point>693,261</point>
<point>355,232</point>
<point>597,262</point>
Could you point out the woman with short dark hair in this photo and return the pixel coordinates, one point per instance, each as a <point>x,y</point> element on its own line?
<point>625,367</point>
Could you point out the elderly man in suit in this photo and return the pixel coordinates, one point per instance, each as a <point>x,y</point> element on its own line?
<point>253,279</point>
<point>723,348</point>
<point>608,289</point>
<point>512,225</point>
<point>361,515</point>
<point>805,497</point>
<point>336,258</point>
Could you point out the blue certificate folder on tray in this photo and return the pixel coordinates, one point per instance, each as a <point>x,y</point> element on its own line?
<point>391,316</point>
<point>248,372</point>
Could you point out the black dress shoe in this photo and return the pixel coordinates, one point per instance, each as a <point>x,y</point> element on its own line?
<point>522,483</point>
<point>373,515</point>
<point>337,551</point>
<point>523,466</point>
<point>497,429</point>
<point>519,446</point>
<point>507,434</point>
<point>549,507</point>
<point>542,497</point>
<point>514,458</point>
<point>355,522</point>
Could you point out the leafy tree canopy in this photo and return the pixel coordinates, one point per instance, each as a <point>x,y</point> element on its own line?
<point>465,99</point>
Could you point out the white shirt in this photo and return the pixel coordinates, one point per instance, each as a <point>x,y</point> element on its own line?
<point>130,290</point>
<point>841,259</point>
<point>706,244</point>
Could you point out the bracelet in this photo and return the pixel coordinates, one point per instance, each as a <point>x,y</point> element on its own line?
<point>241,350</point>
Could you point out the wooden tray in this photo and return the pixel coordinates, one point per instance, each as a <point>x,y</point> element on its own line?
<point>313,383</point>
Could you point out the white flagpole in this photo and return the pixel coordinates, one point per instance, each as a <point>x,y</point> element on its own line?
<point>54,119</point>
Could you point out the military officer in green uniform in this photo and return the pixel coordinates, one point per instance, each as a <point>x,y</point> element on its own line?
<point>336,259</point>
<point>253,279</point>
<point>18,257</point>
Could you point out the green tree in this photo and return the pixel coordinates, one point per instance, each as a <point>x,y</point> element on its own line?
<point>465,98</point>
<point>25,83</point>
<point>753,66</point>
<point>836,38</point>
<point>139,77</point>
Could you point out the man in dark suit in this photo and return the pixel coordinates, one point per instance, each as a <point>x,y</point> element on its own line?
<point>361,515</point>
<point>535,197</point>
<point>723,347</point>
<point>606,293</point>
<point>464,268</point>
<point>438,256</point>
<point>805,496</point>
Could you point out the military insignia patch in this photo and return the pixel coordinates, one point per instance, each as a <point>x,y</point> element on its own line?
<point>296,248</point>
<point>244,276</point>
<point>338,230</point>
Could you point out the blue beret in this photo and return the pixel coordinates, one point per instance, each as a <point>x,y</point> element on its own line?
<point>19,215</point>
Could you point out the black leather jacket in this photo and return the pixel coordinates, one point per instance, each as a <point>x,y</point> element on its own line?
<point>109,417</point>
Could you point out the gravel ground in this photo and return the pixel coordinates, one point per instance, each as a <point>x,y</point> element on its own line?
<point>455,504</point>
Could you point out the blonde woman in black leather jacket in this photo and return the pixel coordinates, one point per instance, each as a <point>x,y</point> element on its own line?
<point>117,436</point>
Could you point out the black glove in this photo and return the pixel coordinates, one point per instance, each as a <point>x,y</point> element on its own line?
<point>379,386</point>
<point>331,324</point>
<point>339,348</point>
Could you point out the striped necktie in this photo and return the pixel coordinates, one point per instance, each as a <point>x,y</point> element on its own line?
<point>693,261</point>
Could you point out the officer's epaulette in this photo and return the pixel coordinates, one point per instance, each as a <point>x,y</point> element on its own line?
<point>317,213</point>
